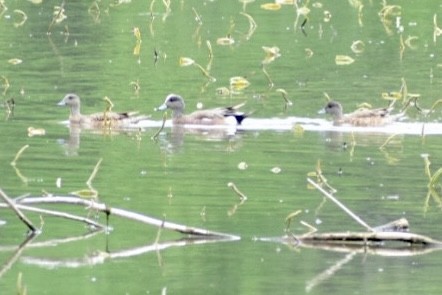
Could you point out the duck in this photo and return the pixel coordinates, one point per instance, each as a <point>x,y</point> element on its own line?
<point>102,119</point>
<point>361,117</point>
<point>216,116</point>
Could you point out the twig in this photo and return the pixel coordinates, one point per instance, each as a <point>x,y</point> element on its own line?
<point>340,205</point>
<point>127,214</point>
<point>20,215</point>
<point>58,214</point>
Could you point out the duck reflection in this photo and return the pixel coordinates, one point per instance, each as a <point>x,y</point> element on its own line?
<point>390,145</point>
<point>71,144</point>
<point>173,141</point>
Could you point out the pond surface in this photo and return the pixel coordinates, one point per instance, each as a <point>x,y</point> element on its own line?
<point>183,176</point>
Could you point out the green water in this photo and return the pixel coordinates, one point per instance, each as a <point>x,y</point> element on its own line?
<point>184,177</point>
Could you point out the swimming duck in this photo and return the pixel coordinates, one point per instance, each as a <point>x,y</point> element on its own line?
<point>215,116</point>
<point>360,117</point>
<point>98,119</point>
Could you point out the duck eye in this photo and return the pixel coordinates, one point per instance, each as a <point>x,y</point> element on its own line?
<point>70,97</point>
<point>173,99</point>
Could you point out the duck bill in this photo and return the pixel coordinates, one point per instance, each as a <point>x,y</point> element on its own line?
<point>61,103</point>
<point>161,107</point>
<point>321,112</point>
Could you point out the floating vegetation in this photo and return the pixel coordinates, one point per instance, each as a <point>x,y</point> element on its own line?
<point>223,91</point>
<point>21,288</point>
<point>120,2</point>
<point>137,33</point>
<point>272,53</point>
<point>327,16</point>
<point>23,16</point>
<point>276,170</point>
<point>187,61</point>
<point>94,12</point>
<point>155,136</point>
<point>303,26</point>
<point>23,178</point>
<point>242,166</point>
<point>245,2</point>
<point>343,60</point>
<point>387,14</point>
<point>298,129</point>
<point>36,131</point>
<point>15,61</point>
<point>434,183</point>
<point>252,25</point>
<point>301,11</point>
<point>289,218</point>
<point>242,198</point>
<point>436,30</point>
<point>225,41</point>
<point>58,16</point>
<point>109,105</point>
<point>136,86</point>
<point>9,106</point>
<point>285,2</point>
<point>5,84</point>
<point>284,94</point>
<point>238,83</point>
<point>90,192</point>
<point>271,6</point>
<point>271,84</point>
<point>320,178</point>
<point>198,18</point>
<point>308,53</point>
<point>358,46</point>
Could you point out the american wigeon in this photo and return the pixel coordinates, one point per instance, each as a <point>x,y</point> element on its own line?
<point>103,119</point>
<point>360,117</point>
<point>214,116</point>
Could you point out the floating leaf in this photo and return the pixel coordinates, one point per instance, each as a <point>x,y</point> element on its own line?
<point>24,17</point>
<point>223,91</point>
<point>298,129</point>
<point>239,83</point>
<point>343,60</point>
<point>58,14</point>
<point>86,194</point>
<point>392,96</point>
<point>327,16</point>
<point>186,61</point>
<point>225,41</point>
<point>137,48</point>
<point>271,6</point>
<point>276,170</point>
<point>285,2</point>
<point>15,61</point>
<point>242,166</point>
<point>358,46</point>
<point>272,53</point>
<point>137,33</point>
<point>36,131</point>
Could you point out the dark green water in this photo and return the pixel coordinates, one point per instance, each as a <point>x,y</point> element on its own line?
<point>181,176</point>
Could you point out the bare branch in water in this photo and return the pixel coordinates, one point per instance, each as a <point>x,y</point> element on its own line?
<point>17,211</point>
